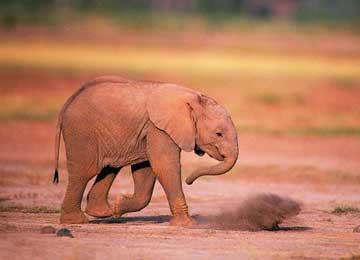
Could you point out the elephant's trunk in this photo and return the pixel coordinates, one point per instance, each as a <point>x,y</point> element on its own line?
<point>226,165</point>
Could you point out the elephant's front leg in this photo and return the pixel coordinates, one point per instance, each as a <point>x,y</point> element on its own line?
<point>164,157</point>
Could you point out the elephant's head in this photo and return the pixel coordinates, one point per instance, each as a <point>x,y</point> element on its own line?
<point>196,123</point>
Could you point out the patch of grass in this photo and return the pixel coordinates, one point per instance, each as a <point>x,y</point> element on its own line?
<point>26,209</point>
<point>268,99</point>
<point>13,109</point>
<point>296,131</point>
<point>3,199</point>
<point>352,257</point>
<point>28,115</point>
<point>347,83</point>
<point>204,62</point>
<point>328,131</point>
<point>344,209</point>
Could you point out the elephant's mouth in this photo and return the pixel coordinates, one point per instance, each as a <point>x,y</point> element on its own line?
<point>212,153</point>
<point>218,156</point>
<point>215,153</point>
<point>198,150</point>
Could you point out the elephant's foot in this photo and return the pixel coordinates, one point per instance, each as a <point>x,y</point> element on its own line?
<point>118,209</point>
<point>183,221</point>
<point>98,210</point>
<point>129,203</point>
<point>76,217</point>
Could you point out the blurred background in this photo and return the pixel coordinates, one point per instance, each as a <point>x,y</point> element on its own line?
<point>281,67</point>
<point>288,71</point>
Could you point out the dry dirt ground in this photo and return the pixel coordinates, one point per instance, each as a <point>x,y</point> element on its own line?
<point>294,165</point>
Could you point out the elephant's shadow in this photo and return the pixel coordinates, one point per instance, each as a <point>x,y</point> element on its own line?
<point>140,220</point>
<point>204,222</point>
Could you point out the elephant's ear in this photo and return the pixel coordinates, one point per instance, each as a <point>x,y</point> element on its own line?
<point>169,108</point>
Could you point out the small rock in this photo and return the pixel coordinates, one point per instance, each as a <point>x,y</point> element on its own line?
<point>64,232</point>
<point>357,229</point>
<point>48,230</point>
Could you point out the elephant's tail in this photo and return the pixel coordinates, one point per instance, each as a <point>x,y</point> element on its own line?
<point>58,135</point>
<point>57,147</point>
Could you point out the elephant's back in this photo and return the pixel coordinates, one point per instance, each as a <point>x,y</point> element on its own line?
<point>106,110</point>
<point>111,96</point>
<point>109,100</point>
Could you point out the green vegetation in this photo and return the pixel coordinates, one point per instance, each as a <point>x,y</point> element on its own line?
<point>3,199</point>
<point>22,114</point>
<point>27,209</point>
<point>15,109</point>
<point>344,209</point>
<point>328,131</point>
<point>200,63</point>
<point>268,99</point>
<point>309,131</point>
<point>152,14</point>
<point>349,84</point>
<point>352,257</point>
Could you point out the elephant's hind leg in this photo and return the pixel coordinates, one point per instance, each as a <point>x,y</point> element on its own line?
<point>71,208</point>
<point>97,203</point>
<point>144,180</point>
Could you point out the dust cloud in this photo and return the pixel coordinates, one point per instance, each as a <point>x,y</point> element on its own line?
<point>258,212</point>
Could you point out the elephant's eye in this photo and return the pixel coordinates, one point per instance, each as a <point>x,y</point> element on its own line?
<point>219,134</point>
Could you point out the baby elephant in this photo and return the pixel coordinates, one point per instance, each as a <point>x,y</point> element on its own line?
<point>112,122</point>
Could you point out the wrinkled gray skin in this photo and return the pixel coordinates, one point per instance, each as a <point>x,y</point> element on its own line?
<point>112,122</point>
